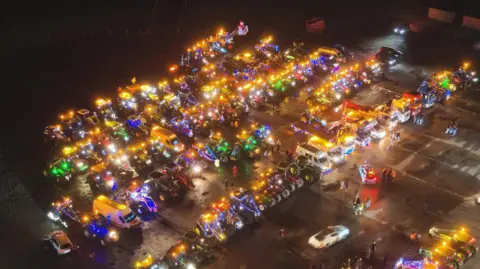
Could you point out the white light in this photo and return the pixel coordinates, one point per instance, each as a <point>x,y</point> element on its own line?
<point>391,62</point>
<point>197,169</point>
<point>395,30</point>
<point>148,162</point>
<point>112,148</point>
<point>402,31</point>
<point>110,183</point>
<point>79,164</point>
<point>113,235</point>
<point>338,96</point>
<point>176,148</point>
<point>51,216</point>
<point>191,266</point>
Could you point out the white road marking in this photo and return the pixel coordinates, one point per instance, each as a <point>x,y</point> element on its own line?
<point>474,170</point>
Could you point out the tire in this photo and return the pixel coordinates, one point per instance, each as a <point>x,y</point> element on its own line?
<point>473,250</point>
<point>293,187</point>
<point>308,177</point>
<point>285,194</point>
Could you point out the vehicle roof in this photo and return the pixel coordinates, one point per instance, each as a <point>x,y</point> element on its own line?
<point>61,239</point>
<point>118,206</point>
<point>378,94</point>
<point>320,142</point>
<point>310,148</point>
<point>157,130</point>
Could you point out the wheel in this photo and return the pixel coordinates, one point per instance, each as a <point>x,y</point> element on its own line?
<point>473,250</point>
<point>308,177</point>
<point>285,194</point>
<point>292,187</point>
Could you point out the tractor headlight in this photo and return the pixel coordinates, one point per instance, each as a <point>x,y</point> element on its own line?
<point>197,169</point>
<point>113,235</point>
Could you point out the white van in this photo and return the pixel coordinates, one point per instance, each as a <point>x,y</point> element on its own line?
<point>314,157</point>
<point>121,215</point>
<point>334,152</point>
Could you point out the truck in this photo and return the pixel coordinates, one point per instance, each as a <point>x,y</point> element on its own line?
<point>400,103</point>
<point>314,157</point>
<point>329,137</point>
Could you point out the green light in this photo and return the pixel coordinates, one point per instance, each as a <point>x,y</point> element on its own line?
<point>64,166</point>
<point>445,83</point>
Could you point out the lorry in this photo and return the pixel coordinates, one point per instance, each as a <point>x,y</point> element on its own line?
<point>335,153</point>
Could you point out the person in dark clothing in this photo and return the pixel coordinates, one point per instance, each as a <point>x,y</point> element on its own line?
<point>226,183</point>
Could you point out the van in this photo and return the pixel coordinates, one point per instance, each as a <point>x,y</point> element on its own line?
<point>119,214</point>
<point>314,157</point>
<point>167,138</point>
<point>334,153</point>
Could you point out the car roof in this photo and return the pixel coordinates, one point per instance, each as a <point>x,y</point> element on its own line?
<point>61,239</point>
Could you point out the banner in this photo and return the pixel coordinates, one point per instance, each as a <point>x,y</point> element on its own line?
<point>471,22</point>
<point>315,25</point>
<point>440,15</point>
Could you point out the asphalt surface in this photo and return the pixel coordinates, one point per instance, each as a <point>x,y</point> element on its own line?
<point>437,178</point>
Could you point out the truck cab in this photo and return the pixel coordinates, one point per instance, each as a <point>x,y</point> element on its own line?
<point>314,157</point>
<point>334,153</point>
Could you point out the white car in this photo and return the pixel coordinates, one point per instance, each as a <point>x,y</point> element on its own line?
<point>59,241</point>
<point>328,236</point>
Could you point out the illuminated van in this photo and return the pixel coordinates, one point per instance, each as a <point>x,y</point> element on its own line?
<point>167,138</point>
<point>334,153</point>
<point>119,214</point>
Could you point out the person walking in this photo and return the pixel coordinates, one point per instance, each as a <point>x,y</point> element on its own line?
<point>235,170</point>
<point>226,183</point>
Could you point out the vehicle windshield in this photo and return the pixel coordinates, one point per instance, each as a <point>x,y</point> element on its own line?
<point>322,160</point>
<point>362,132</point>
<point>129,217</point>
<point>173,141</point>
<point>405,108</point>
<point>335,152</point>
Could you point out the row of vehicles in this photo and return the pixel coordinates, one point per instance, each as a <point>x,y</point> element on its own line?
<point>442,248</point>
<point>230,214</point>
